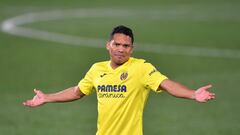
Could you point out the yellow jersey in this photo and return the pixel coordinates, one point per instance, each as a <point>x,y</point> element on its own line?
<point>121,94</point>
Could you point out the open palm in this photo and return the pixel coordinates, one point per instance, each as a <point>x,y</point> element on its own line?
<point>38,99</point>
<point>203,94</point>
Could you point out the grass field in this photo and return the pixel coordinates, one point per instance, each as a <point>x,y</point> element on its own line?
<point>192,42</point>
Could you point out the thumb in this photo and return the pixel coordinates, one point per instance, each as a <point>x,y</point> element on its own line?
<point>206,87</point>
<point>203,89</point>
<point>37,92</point>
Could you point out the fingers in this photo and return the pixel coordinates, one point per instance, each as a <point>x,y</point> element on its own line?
<point>28,103</point>
<point>32,103</point>
<point>24,103</point>
<point>210,96</point>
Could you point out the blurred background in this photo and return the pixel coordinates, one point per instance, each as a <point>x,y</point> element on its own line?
<point>50,45</point>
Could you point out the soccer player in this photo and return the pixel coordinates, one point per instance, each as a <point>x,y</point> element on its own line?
<point>122,85</point>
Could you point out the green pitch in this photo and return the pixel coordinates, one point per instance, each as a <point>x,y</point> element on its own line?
<point>192,42</point>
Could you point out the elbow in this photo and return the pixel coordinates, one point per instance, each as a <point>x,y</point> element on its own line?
<point>77,93</point>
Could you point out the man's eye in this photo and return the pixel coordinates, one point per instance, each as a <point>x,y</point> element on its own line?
<point>126,46</point>
<point>116,44</point>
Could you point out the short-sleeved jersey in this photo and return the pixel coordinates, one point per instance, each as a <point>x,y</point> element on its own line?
<point>121,94</point>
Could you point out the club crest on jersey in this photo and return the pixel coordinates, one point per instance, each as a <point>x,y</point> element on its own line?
<point>124,76</point>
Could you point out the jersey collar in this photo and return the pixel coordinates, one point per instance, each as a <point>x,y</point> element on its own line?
<point>120,67</point>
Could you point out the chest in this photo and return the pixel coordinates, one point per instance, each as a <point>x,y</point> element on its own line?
<point>116,85</point>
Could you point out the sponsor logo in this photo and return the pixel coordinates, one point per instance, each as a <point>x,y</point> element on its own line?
<point>108,95</point>
<point>112,88</point>
<point>111,91</point>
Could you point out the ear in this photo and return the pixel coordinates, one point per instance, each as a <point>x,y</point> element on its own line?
<point>108,45</point>
<point>132,49</point>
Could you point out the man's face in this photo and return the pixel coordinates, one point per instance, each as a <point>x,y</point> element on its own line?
<point>120,48</point>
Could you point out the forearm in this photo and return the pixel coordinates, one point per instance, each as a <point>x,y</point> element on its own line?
<point>66,95</point>
<point>177,89</point>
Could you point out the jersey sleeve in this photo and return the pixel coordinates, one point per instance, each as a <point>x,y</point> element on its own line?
<point>86,84</point>
<point>152,78</point>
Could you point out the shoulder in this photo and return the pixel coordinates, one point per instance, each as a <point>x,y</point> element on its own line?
<point>141,62</point>
<point>142,66</point>
<point>137,61</point>
<point>99,66</point>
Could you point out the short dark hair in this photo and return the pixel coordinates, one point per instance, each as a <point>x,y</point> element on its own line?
<point>121,29</point>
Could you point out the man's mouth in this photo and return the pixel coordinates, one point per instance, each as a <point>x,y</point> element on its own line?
<point>119,55</point>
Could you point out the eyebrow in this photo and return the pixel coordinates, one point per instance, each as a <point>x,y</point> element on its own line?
<point>120,43</point>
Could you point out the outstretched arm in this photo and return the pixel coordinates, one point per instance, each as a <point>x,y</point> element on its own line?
<point>178,90</point>
<point>66,95</point>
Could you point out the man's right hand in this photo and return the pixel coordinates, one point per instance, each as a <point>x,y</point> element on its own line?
<point>38,99</point>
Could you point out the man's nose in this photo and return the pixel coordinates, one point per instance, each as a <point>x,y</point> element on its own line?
<point>120,48</point>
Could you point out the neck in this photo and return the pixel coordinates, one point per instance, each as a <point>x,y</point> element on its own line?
<point>114,65</point>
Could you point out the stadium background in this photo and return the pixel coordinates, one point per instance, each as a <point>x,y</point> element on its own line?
<point>28,63</point>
